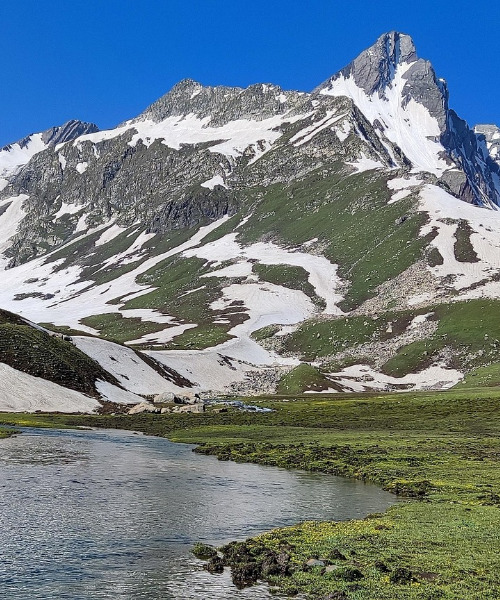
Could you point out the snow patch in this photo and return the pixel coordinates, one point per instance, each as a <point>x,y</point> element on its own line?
<point>322,273</point>
<point>130,370</point>
<point>21,392</point>
<point>112,393</point>
<point>485,240</point>
<point>109,234</point>
<point>13,157</point>
<point>216,180</point>
<point>365,164</point>
<point>67,209</point>
<point>360,378</point>
<point>9,222</point>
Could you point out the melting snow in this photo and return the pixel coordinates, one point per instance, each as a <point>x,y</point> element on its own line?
<point>21,392</point>
<point>365,164</point>
<point>360,378</point>
<point>216,180</point>
<point>13,157</point>
<point>126,365</point>
<point>485,240</point>
<point>231,139</point>
<point>67,209</point>
<point>322,273</point>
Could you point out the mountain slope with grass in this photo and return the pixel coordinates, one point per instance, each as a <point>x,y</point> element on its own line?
<point>249,240</point>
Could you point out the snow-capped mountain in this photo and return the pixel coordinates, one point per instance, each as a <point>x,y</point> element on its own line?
<point>14,156</point>
<point>233,234</point>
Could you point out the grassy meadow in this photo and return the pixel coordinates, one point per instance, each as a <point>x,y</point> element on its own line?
<point>438,451</point>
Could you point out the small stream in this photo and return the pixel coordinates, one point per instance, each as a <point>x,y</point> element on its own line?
<point>107,514</point>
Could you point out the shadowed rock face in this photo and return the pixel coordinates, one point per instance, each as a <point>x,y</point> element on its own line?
<point>490,134</point>
<point>68,132</point>
<point>63,133</point>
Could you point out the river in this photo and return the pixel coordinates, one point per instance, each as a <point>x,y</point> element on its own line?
<point>91,515</point>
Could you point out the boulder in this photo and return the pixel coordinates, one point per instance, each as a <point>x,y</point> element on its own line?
<point>164,397</point>
<point>314,562</point>
<point>187,398</point>
<point>199,407</point>
<point>142,407</point>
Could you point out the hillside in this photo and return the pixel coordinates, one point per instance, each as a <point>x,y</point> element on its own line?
<point>257,239</point>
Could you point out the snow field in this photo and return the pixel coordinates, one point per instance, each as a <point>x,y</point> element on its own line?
<point>134,374</point>
<point>21,392</point>
<point>361,378</point>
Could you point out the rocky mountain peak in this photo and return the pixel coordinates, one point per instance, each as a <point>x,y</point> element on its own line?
<point>374,68</point>
<point>221,104</point>
<point>68,131</point>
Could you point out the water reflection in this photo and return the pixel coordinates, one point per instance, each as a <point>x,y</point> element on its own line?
<point>108,514</point>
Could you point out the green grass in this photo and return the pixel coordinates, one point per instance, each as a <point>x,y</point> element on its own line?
<point>37,353</point>
<point>463,248</point>
<point>482,377</point>
<point>120,329</point>
<point>182,292</point>
<point>302,378</point>
<point>347,215</point>
<point>5,433</point>
<point>438,451</point>
<point>471,329</point>
<point>201,337</point>
<point>326,337</point>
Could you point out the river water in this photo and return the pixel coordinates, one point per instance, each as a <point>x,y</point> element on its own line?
<point>110,514</point>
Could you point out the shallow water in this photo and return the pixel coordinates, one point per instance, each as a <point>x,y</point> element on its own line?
<point>112,514</point>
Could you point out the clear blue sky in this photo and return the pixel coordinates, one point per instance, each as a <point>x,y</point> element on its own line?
<point>105,60</point>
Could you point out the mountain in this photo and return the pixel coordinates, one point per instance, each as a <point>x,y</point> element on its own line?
<point>258,239</point>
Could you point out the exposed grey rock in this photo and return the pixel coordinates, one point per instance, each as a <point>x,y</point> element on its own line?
<point>222,104</point>
<point>159,188</point>
<point>67,132</point>
<point>190,408</point>
<point>473,153</point>
<point>374,68</point>
<point>491,136</point>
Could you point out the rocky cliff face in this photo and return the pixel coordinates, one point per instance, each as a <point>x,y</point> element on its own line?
<point>491,136</point>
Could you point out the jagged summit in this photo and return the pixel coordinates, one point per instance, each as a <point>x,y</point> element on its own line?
<point>374,68</point>
<point>15,155</point>
<point>68,131</point>
<point>57,135</point>
<point>221,104</point>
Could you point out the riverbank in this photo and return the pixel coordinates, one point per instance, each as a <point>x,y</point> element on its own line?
<point>439,451</point>
<point>5,433</point>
